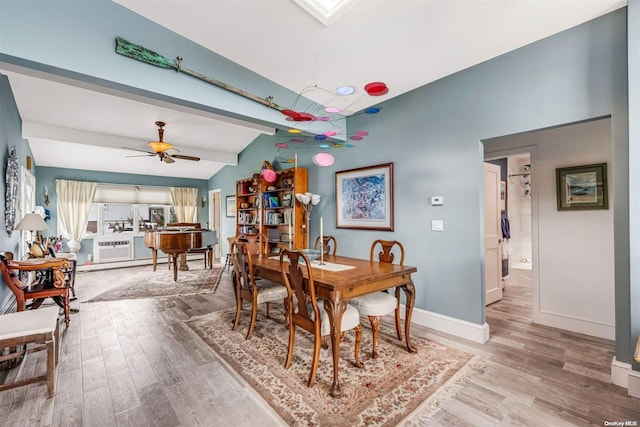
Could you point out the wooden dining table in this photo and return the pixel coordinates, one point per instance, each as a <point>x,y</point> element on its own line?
<point>336,288</point>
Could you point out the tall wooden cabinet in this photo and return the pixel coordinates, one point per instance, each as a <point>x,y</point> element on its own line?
<point>270,208</point>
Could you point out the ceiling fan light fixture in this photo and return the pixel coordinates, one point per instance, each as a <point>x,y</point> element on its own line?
<point>159,146</point>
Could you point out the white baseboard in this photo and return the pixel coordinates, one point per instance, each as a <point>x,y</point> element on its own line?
<point>623,375</point>
<point>460,328</point>
<point>620,373</point>
<point>574,324</point>
<point>634,384</point>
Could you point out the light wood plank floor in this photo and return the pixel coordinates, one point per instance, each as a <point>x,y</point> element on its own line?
<point>133,362</point>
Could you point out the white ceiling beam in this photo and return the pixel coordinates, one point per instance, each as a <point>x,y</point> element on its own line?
<point>31,130</point>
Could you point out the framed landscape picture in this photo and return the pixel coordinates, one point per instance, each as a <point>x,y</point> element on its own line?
<point>364,198</point>
<point>582,187</point>
<point>231,206</point>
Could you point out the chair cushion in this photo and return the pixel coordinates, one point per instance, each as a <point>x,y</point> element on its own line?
<point>270,291</point>
<point>375,304</point>
<point>350,319</point>
<point>28,322</point>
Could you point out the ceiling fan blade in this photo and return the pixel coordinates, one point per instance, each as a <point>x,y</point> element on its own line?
<point>168,159</point>
<point>137,149</point>
<point>142,155</point>
<point>180,156</point>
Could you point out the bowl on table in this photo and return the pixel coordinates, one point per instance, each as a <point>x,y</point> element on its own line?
<point>312,254</point>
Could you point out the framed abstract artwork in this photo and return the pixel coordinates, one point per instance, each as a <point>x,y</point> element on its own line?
<point>364,198</point>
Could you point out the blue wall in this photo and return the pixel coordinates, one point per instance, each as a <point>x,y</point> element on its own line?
<point>434,137</point>
<point>45,176</point>
<point>10,135</point>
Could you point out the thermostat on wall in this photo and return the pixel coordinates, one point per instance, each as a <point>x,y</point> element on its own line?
<point>437,200</point>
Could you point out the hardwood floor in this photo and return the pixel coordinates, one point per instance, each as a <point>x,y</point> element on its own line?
<point>134,363</point>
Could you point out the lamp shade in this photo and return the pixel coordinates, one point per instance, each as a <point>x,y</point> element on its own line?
<point>159,146</point>
<point>31,222</point>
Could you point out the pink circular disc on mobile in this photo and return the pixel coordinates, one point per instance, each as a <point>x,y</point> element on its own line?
<point>323,159</point>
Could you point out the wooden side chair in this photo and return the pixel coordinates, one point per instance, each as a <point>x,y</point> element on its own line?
<point>248,288</point>
<point>255,243</point>
<point>57,288</point>
<point>329,244</point>
<point>308,313</point>
<point>379,304</point>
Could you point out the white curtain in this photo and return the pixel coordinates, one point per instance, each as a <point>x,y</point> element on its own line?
<point>185,203</point>
<point>74,203</point>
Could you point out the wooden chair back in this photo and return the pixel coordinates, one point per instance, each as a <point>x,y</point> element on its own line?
<point>243,266</point>
<point>329,244</point>
<point>256,243</point>
<point>57,288</point>
<point>388,251</point>
<point>301,291</point>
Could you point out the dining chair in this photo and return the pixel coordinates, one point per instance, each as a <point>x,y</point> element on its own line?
<point>248,288</point>
<point>379,304</point>
<point>329,244</point>
<point>53,285</point>
<point>307,312</point>
<point>228,262</point>
<point>256,243</point>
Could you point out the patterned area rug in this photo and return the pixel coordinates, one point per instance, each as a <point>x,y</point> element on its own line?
<point>160,283</point>
<point>395,387</point>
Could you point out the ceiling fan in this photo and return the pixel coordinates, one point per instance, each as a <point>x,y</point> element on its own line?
<point>165,151</point>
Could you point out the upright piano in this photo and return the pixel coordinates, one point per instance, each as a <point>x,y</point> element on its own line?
<point>176,243</point>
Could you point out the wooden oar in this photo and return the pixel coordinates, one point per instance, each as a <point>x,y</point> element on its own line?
<point>139,53</point>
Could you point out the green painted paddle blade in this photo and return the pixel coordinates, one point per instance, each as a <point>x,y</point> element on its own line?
<point>126,48</point>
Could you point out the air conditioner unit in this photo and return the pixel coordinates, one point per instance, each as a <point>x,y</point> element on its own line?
<point>112,250</point>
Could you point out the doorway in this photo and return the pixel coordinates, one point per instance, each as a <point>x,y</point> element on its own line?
<point>215,210</point>
<point>571,261</point>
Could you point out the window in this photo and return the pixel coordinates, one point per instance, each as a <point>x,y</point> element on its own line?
<point>107,219</point>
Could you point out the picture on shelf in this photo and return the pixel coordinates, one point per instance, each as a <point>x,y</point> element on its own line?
<point>272,202</point>
<point>286,200</point>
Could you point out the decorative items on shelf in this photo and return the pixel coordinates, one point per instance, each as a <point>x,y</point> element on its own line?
<point>265,205</point>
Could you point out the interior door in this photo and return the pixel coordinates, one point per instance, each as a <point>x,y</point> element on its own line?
<point>215,210</point>
<point>492,234</point>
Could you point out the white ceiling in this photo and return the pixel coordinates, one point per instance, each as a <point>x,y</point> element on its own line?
<point>405,44</point>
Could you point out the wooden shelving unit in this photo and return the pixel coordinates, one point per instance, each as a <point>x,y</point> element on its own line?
<point>270,208</point>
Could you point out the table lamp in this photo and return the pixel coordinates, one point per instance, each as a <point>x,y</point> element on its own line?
<point>33,222</point>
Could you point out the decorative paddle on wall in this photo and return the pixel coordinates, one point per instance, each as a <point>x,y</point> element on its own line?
<point>165,151</point>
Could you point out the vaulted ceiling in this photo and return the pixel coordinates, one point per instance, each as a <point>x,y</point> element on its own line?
<point>405,44</point>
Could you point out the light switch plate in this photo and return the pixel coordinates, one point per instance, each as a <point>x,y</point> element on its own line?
<point>437,225</point>
<point>437,200</point>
